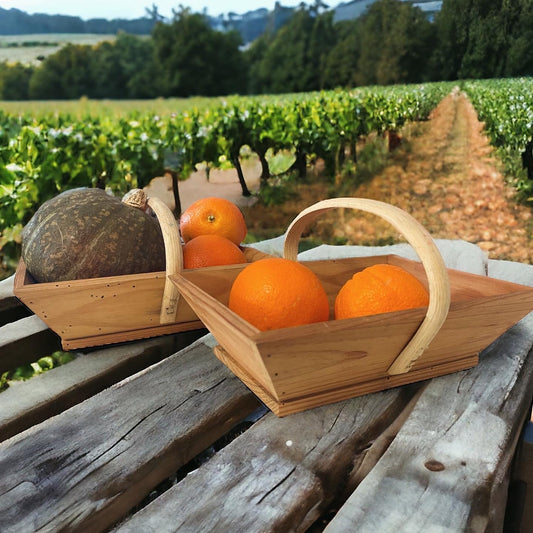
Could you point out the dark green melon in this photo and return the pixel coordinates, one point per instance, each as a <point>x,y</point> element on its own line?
<point>86,233</point>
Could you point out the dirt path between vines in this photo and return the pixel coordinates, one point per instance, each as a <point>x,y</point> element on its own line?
<point>450,181</point>
<point>446,175</point>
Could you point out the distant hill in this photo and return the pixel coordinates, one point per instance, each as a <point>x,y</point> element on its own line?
<point>250,24</point>
<point>16,22</point>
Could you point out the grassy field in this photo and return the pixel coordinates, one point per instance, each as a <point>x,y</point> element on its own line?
<point>86,107</point>
<point>16,48</point>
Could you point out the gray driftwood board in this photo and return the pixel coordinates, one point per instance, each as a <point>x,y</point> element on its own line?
<point>85,468</point>
<point>30,402</point>
<point>280,475</point>
<point>446,469</point>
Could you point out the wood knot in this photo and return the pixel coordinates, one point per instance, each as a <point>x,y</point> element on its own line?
<point>434,465</point>
<point>356,354</point>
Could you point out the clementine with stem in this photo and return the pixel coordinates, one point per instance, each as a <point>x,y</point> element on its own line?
<point>213,216</point>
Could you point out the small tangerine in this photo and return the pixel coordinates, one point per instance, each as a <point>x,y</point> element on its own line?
<point>211,250</point>
<point>380,288</point>
<point>274,293</point>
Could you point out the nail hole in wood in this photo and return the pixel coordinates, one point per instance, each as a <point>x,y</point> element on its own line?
<point>434,465</point>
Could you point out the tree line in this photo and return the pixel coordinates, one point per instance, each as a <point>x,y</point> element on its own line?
<point>16,22</point>
<point>393,42</point>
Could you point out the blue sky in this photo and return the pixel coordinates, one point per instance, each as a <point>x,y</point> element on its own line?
<point>136,8</point>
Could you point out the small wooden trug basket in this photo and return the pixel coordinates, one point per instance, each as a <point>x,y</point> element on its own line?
<point>97,311</point>
<point>296,368</point>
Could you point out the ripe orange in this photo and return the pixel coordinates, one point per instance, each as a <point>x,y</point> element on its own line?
<point>213,216</point>
<point>277,293</point>
<point>211,250</point>
<point>378,289</point>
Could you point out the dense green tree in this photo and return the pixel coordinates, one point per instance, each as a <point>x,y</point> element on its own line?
<point>491,24</point>
<point>294,58</point>
<point>519,61</point>
<point>125,68</point>
<point>484,38</point>
<point>483,55</point>
<point>137,59</point>
<point>14,81</point>
<point>518,27</point>
<point>106,71</point>
<point>396,38</point>
<point>341,63</point>
<point>284,66</point>
<point>453,25</point>
<point>253,56</point>
<point>321,41</point>
<point>63,75</point>
<point>195,59</point>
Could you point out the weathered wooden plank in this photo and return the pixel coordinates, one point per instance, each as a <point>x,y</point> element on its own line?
<point>25,341</point>
<point>11,308</point>
<point>279,475</point>
<point>448,466</point>
<point>519,511</point>
<point>6,292</point>
<point>30,402</point>
<point>85,468</point>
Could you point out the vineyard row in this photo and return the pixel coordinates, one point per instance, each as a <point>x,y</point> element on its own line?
<point>42,156</point>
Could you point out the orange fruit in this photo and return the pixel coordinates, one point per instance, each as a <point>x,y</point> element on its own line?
<point>213,216</point>
<point>277,293</point>
<point>380,288</point>
<point>211,250</point>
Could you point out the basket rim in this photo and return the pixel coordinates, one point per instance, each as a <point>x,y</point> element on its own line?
<point>256,335</point>
<point>22,275</point>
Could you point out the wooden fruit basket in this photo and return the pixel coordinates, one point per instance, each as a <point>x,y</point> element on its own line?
<point>96,311</point>
<point>297,368</point>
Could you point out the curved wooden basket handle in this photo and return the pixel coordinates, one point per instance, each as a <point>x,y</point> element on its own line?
<point>173,258</point>
<point>419,239</point>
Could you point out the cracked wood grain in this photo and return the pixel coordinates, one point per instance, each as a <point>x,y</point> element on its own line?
<point>30,402</point>
<point>280,475</point>
<point>447,469</point>
<point>85,468</point>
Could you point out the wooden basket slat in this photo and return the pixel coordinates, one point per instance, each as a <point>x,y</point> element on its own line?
<point>107,310</point>
<point>300,366</point>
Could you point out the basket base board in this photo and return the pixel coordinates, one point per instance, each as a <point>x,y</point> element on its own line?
<point>131,335</point>
<point>295,405</point>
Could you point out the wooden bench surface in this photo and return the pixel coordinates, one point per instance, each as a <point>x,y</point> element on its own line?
<point>158,435</point>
